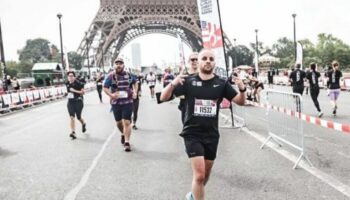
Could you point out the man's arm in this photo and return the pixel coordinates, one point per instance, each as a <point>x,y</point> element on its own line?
<point>169,89</point>
<point>239,99</point>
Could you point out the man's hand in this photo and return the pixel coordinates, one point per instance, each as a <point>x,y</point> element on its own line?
<point>115,95</point>
<point>238,82</point>
<point>134,95</point>
<point>180,79</point>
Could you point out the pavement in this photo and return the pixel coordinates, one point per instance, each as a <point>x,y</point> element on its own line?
<point>39,161</point>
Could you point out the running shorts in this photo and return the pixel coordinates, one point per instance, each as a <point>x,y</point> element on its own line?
<point>206,147</point>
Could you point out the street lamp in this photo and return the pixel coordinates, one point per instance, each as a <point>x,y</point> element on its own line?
<point>87,52</point>
<point>2,60</point>
<point>59,15</point>
<point>102,54</point>
<point>257,49</point>
<point>235,46</point>
<point>295,40</point>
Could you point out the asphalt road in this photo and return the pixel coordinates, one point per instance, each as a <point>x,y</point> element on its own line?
<point>39,161</point>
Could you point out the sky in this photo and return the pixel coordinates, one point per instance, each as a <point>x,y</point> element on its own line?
<point>29,19</point>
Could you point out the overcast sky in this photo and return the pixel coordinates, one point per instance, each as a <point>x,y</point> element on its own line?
<point>29,19</point>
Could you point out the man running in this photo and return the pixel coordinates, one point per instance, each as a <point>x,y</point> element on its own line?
<point>312,76</point>
<point>270,75</point>
<point>120,86</point>
<point>151,80</point>
<point>168,77</point>
<point>136,102</point>
<point>297,78</point>
<point>203,92</point>
<point>75,102</point>
<point>99,83</point>
<point>334,77</point>
<point>193,61</point>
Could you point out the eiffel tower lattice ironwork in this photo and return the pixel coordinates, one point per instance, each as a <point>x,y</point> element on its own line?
<point>118,22</point>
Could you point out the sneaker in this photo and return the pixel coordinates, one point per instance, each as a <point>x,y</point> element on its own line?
<point>122,139</point>
<point>84,128</point>
<point>127,147</point>
<point>134,127</point>
<point>72,135</point>
<point>189,196</point>
<point>320,114</point>
<point>334,111</point>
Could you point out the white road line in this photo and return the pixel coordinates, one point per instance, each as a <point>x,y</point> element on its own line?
<point>326,178</point>
<point>72,194</point>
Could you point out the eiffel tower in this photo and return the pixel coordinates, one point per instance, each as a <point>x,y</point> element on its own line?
<point>118,22</point>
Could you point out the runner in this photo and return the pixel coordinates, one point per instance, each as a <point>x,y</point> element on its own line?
<point>75,102</point>
<point>168,77</point>
<point>203,92</point>
<point>193,61</point>
<point>119,86</point>
<point>334,85</point>
<point>312,76</point>
<point>99,83</point>
<point>270,75</point>
<point>136,102</point>
<point>297,78</point>
<point>257,86</point>
<point>151,80</point>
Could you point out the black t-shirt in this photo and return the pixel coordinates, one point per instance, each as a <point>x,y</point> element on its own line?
<point>334,79</point>
<point>313,76</point>
<point>298,77</point>
<point>99,82</point>
<point>270,74</point>
<point>72,96</point>
<point>202,105</point>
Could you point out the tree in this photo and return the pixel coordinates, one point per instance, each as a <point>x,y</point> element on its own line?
<point>36,50</point>
<point>284,50</point>
<point>75,60</point>
<point>242,55</point>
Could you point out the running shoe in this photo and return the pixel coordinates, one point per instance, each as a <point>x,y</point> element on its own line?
<point>72,135</point>
<point>84,128</point>
<point>189,196</point>
<point>320,114</point>
<point>134,127</point>
<point>334,111</point>
<point>122,139</point>
<point>127,147</point>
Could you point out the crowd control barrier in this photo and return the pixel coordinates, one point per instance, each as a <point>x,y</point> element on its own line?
<point>281,127</point>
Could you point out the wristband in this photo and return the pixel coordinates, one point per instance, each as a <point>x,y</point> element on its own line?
<point>245,89</point>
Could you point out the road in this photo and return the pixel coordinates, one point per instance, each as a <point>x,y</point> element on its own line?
<point>39,161</point>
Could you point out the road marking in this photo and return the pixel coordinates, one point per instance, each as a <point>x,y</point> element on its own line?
<point>326,178</point>
<point>72,194</point>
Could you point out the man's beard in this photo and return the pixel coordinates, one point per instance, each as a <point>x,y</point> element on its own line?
<point>204,70</point>
<point>119,70</point>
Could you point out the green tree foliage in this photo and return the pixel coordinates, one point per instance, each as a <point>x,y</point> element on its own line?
<point>242,54</point>
<point>75,60</point>
<point>37,50</point>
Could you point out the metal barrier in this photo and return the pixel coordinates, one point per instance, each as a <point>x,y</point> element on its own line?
<point>283,128</point>
<point>20,99</point>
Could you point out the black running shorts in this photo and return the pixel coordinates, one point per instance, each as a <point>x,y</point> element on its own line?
<point>151,86</point>
<point>122,111</point>
<point>75,108</point>
<point>201,147</point>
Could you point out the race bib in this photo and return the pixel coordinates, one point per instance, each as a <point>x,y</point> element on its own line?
<point>99,83</point>
<point>123,94</point>
<point>70,95</point>
<point>205,108</point>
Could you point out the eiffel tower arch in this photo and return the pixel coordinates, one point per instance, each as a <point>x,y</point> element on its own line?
<point>118,22</point>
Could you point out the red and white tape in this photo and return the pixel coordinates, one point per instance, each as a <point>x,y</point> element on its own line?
<point>345,128</point>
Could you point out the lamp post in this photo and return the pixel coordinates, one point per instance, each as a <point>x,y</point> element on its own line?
<point>2,60</point>
<point>59,15</point>
<point>235,46</point>
<point>295,40</point>
<point>257,50</point>
<point>87,53</point>
<point>102,55</point>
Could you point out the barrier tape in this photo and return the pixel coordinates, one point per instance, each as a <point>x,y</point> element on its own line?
<point>345,128</point>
